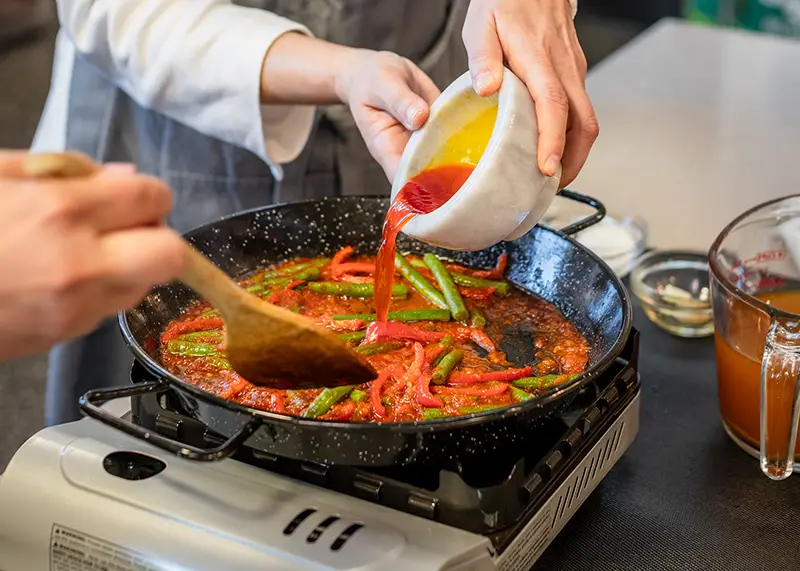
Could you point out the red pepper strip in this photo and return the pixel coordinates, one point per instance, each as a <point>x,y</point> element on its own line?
<point>349,325</point>
<point>278,402</point>
<point>390,330</point>
<point>294,283</point>
<point>375,393</point>
<point>338,258</point>
<point>396,373</point>
<point>420,373</point>
<point>236,384</point>
<point>482,340</point>
<point>356,279</point>
<point>341,412</point>
<point>415,368</point>
<point>424,396</point>
<point>181,327</point>
<point>490,390</point>
<point>476,336</point>
<point>286,298</point>
<point>498,270</point>
<point>502,376</point>
<point>476,292</point>
<point>356,268</point>
<point>432,352</point>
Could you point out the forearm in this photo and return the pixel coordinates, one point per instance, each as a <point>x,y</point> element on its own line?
<point>303,70</point>
<point>196,61</point>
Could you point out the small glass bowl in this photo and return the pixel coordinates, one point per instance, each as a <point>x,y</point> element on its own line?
<point>673,288</point>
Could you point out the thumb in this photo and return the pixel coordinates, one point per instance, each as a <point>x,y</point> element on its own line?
<point>400,101</point>
<point>485,56</point>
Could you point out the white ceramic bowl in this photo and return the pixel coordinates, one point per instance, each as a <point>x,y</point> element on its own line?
<point>506,194</point>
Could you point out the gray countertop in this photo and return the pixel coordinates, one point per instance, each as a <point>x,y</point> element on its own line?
<point>698,124</point>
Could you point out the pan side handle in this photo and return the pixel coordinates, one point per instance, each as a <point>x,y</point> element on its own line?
<point>91,405</point>
<point>590,220</point>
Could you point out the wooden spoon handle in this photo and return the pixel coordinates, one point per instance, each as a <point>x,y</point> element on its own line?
<point>212,283</point>
<point>200,274</point>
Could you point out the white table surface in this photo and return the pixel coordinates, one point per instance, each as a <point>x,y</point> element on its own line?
<point>697,124</point>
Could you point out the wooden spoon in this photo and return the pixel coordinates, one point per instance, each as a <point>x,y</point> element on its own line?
<point>267,345</point>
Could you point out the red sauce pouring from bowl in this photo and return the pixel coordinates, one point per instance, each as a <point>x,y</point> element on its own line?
<point>423,194</point>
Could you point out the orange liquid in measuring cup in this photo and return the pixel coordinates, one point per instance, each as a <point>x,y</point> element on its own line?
<point>739,368</point>
<point>436,184</point>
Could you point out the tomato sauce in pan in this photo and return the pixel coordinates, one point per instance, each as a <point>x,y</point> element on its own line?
<point>430,366</point>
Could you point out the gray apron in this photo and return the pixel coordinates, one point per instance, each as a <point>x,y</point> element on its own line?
<point>211,179</point>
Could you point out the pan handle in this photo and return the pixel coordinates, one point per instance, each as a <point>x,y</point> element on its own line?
<point>91,405</point>
<point>583,223</point>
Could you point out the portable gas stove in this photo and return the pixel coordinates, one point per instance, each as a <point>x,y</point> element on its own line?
<point>84,496</point>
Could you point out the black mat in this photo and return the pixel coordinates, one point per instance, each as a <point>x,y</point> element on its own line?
<point>684,497</point>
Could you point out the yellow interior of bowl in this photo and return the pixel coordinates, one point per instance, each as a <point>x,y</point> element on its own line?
<point>468,144</point>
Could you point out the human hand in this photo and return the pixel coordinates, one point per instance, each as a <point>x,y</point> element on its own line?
<point>389,97</point>
<point>75,251</point>
<point>538,41</point>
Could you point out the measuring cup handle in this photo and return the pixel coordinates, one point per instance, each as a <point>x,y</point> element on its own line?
<point>780,402</point>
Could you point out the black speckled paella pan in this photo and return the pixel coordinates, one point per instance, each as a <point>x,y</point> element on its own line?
<point>545,262</point>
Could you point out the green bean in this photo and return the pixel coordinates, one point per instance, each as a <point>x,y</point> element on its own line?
<point>359,395</point>
<point>276,283</point>
<point>308,275</point>
<point>417,263</point>
<point>446,342</point>
<point>477,319</point>
<point>433,413</point>
<point>479,408</point>
<point>377,348</point>
<point>520,395</point>
<point>294,268</point>
<point>326,399</point>
<point>446,366</point>
<point>255,288</point>
<point>410,315</point>
<point>449,289</point>
<point>213,334</point>
<point>540,382</point>
<point>218,361</point>
<point>189,349</point>
<point>353,290</point>
<point>419,282</point>
<point>501,288</point>
<point>353,337</point>
<point>209,313</point>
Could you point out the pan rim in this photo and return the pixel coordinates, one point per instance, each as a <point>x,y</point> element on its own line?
<point>449,423</point>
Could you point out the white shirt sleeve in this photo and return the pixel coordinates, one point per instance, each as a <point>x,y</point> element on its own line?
<point>196,61</point>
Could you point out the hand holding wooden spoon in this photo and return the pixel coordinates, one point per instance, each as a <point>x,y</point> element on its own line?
<point>266,345</point>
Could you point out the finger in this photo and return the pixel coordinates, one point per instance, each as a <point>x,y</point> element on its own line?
<point>552,108</point>
<point>424,86</point>
<point>112,201</point>
<point>135,260</point>
<point>11,163</point>
<point>385,138</point>
<point>485,53</point>
<point>396,97</point>
<point>582,133</point>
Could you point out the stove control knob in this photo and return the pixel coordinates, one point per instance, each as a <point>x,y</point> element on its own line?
<point>132,465</point>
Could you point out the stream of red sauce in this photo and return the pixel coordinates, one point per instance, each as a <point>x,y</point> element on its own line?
<point>424,193</point>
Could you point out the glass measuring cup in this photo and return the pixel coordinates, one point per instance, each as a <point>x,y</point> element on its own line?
<point>755,292</point>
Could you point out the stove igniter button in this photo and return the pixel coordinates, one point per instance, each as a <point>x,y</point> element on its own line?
<point>132,465</point>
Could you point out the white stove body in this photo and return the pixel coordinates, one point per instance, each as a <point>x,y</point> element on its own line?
<point>60,510</point>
